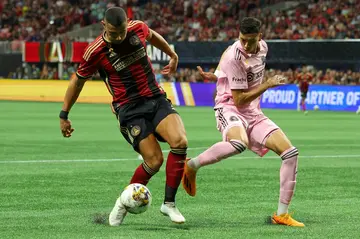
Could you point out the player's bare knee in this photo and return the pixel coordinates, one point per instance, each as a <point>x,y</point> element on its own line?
<point>238,133</point>
<point>154,161</point>
<point>179,142</point>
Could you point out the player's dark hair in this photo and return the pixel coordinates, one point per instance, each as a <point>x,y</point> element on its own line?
<point>116,16</point>
<point>250,25</point>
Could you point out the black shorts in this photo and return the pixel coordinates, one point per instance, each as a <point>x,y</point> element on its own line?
<point>303,94</point>
<point>139,120</point>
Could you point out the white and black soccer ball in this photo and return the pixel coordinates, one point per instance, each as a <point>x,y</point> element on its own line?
<point>136,198</point>
<point>316,107</point>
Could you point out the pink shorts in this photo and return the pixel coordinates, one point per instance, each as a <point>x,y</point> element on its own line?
<point>258,127</point>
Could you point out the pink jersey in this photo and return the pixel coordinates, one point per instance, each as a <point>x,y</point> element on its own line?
<point>239,70</point>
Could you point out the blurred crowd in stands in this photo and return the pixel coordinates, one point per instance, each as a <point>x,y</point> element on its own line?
<point>316,76</point>
<point>184,20</point>
<point>308,73</point>
<point>46,71</point>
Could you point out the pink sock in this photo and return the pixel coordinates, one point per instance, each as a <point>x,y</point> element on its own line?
<point>288,172</point>
<point>216,153</point>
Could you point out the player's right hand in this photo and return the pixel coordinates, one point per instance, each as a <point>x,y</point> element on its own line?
<point>207,75</point>
<point>65,127</point>
<point>276,80</point>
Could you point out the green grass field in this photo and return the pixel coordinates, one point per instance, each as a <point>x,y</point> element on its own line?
<point>51,186</point>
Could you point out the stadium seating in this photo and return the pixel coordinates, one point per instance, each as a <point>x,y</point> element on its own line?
<point>184,20</point>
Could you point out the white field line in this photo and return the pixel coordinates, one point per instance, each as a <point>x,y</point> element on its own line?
<point>133,159</point>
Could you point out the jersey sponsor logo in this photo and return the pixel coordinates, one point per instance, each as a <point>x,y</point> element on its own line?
<point>134,40</point>
<point>121,64</point>
<point>259,74</point>
<point>250,76</point>
<point>239,80</point>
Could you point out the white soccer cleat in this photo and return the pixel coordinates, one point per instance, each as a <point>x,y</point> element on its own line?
<point>170,210</point>
<point>118,213</point>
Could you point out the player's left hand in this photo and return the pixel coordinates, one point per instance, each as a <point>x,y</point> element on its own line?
<point>172,66</point>
<point>207,75</point>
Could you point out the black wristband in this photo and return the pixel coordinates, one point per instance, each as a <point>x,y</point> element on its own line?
<point>63,115</point>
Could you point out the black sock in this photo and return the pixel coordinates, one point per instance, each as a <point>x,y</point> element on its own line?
<point>170,194</point>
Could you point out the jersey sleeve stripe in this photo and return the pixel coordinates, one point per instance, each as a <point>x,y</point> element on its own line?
<point>133,23</point>
<point>90,46</point>
<point>91,49</point>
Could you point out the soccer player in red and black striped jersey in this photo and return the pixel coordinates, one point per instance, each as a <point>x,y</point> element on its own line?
<point>304,81</point>
<point>141,106</point>
<point>304,88</point>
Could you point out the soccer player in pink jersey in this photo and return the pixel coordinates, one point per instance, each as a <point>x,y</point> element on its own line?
<point>240,83</point>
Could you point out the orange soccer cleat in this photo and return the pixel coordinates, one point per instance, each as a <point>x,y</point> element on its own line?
<point>286,219</point>
<point>189,179</point>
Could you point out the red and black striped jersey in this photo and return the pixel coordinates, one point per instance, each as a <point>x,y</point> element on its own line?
<point>304,86</point>
<point>125,68</point>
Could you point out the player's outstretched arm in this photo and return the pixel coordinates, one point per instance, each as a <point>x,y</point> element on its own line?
<point>242,97</point>
<point>72,93</point>
<point>159,42</point>
<point>207,75</point>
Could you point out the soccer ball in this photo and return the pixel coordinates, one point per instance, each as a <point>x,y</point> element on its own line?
<point>316,107</point>
<point>136,198</point>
